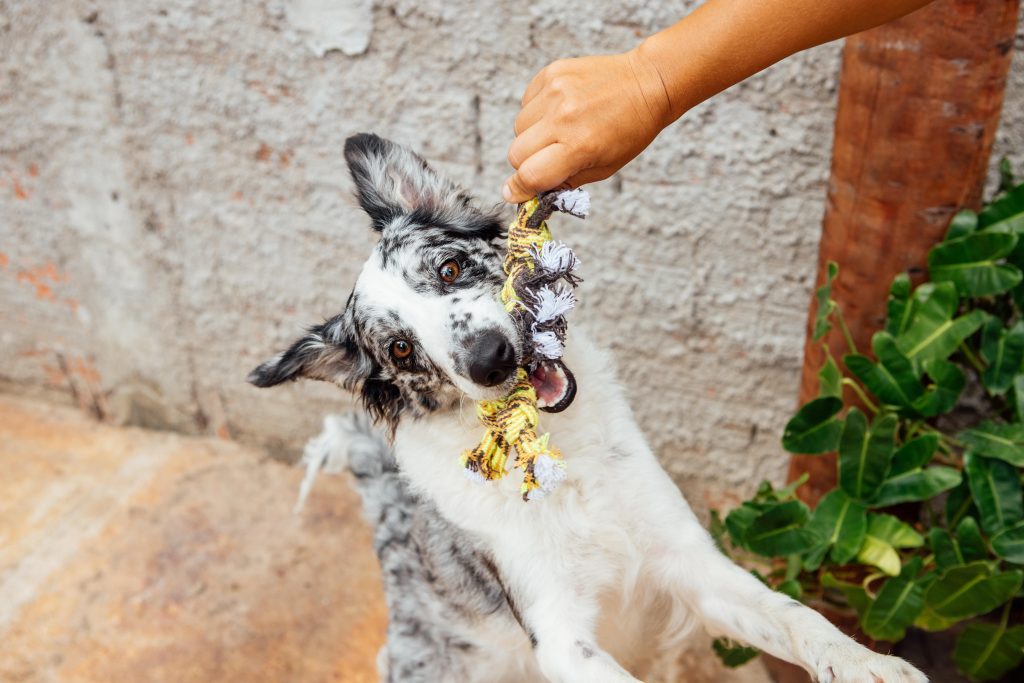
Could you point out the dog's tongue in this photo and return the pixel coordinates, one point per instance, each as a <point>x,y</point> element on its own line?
<point>554,384</point>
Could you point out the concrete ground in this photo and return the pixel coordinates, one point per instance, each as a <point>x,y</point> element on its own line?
<point>135,556</point>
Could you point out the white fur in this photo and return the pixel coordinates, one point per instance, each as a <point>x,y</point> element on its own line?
<point>616,538</point>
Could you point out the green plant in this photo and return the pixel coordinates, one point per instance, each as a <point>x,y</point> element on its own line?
<point>925,527</point>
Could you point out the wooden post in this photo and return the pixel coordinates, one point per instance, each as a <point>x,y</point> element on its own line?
<point>919,104</point>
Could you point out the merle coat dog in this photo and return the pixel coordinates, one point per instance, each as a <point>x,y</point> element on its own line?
<point>584,586</point>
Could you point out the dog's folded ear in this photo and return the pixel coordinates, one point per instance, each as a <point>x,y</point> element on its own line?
<point>392,181</point>
<point>325,352</point>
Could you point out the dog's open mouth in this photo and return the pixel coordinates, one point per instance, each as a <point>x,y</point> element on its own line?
<point>554,384</point>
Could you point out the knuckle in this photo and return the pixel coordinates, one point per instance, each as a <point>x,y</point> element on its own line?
<point>529,179</point>
<point>569,109</point>
<point>513,158</point>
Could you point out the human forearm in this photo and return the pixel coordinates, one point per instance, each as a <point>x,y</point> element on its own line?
<point>583,119</point>
<point>725,41</point>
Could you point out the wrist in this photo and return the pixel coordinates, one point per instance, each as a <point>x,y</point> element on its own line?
<point>652,87</point>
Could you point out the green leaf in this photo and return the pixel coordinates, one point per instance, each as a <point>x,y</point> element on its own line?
<point>959,504</point>
<point>826,305</point>
<point>996,488</point>
<point>898,306</point>
<point>987,652</point>
<point>964,223</point>
<point>914,454</point>
<point>878,553</point>
<point>943,392</point>
<point>927,340</point>
<point>972,263</point>
<point>894,532</point>
<point>899,602</point>
<point>855,594</point>
<point>893,379</point>
<point>842,523</point>
<point>830,380</point>
<point>1002,441</point>
<point>738,521</point>
<point>864,453</point>
<point>885,534</point>
<point>970,590</point>
<point>781,530</point>
<point>792,588</point>
<point>813,558</point>
<point>916,485</point>
<point>731,653</point>
<point>930,621</point>
<point>971,544</point>
<point>1018,397</point>
<point>946,549</point>
<point>1006,181</point>
<point>1003,350</point>
<point>1006,214</point>
<point>814,429</point>
<point>1009,544</point>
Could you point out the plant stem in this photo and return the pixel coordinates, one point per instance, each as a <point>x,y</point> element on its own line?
<point>971,358</point>
<point>860,394</point>
<point>1005,619</point>
<point>914,428</point>
<point>944,439</point>
<point>846,330</point>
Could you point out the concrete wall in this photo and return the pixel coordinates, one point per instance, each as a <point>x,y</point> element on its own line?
<point>174,207</point>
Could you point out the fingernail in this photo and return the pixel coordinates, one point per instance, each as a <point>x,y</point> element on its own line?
<point>506,192</point>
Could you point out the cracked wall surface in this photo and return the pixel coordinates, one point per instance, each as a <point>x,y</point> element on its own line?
<point>174,207</point>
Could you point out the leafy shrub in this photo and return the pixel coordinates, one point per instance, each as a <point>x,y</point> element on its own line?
<point>925,527</point>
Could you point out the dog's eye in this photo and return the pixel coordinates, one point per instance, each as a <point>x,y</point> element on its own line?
<point>400,348</point>
<point>449,271</point>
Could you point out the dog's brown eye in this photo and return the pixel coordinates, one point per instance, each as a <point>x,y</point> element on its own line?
<point>401,349</point>
<point>449,271</point>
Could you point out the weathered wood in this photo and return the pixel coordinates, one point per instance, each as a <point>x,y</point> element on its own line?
<point>919,104</point>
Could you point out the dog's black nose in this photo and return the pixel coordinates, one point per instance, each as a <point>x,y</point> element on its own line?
<point>491,358</point>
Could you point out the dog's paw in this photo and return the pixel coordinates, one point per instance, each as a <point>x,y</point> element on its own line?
<point>853,663</point>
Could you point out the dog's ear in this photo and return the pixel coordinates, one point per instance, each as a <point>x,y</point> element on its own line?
<point>326,352</point>
<point>392,181</point>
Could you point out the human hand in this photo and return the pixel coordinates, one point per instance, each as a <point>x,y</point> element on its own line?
<point>583,119</point>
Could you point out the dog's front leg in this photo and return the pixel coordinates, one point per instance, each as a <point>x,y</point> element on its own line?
<point>560,621</point>
<point>557,606</point>
<point>732,602</point>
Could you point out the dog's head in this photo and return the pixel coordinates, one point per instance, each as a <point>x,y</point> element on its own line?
<point>423,325</point>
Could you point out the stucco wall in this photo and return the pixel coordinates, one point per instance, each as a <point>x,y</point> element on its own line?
<point>174,207</point>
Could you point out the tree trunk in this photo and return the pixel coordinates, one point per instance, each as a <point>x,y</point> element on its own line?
<point>919,104</point>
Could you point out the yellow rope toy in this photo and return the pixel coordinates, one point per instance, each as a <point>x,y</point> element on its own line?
<point>538,294</point>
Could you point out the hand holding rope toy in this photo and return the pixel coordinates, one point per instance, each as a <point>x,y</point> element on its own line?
<point>538,293</point>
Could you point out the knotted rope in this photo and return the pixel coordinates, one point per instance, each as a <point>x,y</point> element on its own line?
<point>534,266</point>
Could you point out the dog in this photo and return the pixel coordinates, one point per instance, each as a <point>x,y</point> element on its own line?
<point>586,585</point>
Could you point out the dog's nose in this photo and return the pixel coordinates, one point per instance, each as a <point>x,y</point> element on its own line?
<point>491,358</point>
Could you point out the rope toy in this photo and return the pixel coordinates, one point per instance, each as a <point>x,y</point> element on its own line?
<point>538,293</point>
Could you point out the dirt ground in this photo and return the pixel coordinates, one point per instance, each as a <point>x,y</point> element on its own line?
<point>133,556</point>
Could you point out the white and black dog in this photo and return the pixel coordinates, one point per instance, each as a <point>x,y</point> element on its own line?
<point>584,586</point>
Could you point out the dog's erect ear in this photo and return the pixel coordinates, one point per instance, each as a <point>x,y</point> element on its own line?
<point>393,181</point>
<point>326,352</point>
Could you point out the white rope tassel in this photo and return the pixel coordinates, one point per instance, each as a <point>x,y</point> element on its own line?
<point>575,202</point>
<point>556,258</point>
<point>552,303</point>
<point>549,473</point>
<point>547,344</point>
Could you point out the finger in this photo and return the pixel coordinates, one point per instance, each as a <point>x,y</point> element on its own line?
<point>534,86</point>
<point>529,142</point>
<point>590,175</point>
<point>530,114</point>
<point>544,170</point>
